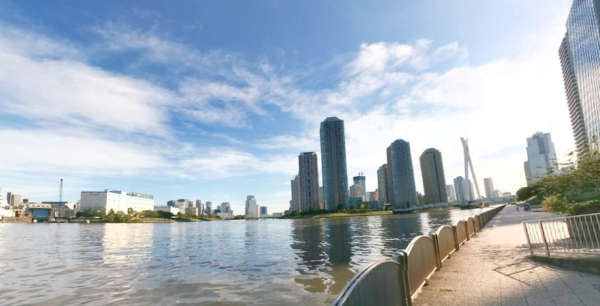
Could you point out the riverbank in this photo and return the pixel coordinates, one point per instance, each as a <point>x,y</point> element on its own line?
<point>317,215</point>
<point>136,219</point>
<point>494,269</point>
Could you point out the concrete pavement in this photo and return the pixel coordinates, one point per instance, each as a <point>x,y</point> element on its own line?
<point>493,269</point>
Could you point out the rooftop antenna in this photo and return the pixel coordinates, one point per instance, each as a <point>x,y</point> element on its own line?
<point>60,190</point>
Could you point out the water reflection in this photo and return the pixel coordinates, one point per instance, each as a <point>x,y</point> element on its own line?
<point>262,262</point>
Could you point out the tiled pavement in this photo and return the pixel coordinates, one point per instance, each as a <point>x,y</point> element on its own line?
<point>493,269</point>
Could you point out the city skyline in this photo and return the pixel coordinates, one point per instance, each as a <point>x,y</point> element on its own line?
<point>190,126</point>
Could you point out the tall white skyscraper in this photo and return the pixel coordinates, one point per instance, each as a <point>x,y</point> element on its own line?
<point>541,158</point>
<point>252,209</point>
<point>489,188</point>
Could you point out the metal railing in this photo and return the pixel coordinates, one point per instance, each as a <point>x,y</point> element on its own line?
<point>411,267</point>
<point>573,234</point>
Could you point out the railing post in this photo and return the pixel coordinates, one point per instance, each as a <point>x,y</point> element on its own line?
<point>436,248</point>
<point>544,238</point>
<point>527,236</point>
<point>456,244</point>
<point>467,230</point>
<point>402,259</point>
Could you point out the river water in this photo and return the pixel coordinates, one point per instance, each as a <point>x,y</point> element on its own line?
<point>258,262</point>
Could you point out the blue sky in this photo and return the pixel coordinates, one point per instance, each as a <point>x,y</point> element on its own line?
<point>214,101</point>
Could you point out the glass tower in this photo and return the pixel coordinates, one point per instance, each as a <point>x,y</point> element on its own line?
<point>434,181</point>
<point>333,163</point>
<point>580,59</point>
<point>400,171</point>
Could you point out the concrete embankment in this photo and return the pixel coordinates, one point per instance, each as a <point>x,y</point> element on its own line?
<point>494,268</point>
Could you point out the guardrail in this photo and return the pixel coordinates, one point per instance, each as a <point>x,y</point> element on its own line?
<point>572,234</point>
<point>396,282</point>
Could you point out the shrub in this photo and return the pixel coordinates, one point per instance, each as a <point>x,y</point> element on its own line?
<point>586,207</point>
<point>556,203</point>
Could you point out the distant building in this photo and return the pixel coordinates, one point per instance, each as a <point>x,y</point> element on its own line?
<point>463,189</point>
<point>39,211</point>
<point>382,184</point>
<point>115,200</point>
<point>295,203</point>
<point>63,209</point>
<point>400,172</point>
<point>14,199</point>
<point>374,196</point>
<point>263,211</point>
<point>252,209</point>
<point>2,201</point>
<point>200,207</point>
<point>321,203</point>
<point>171,209</point>
<point>489,188</point>
<point>356,191</point>
<point>186,207</point>
<point>308,174</point>
<point>209,209</point>
<point>361,180</point>
<point>225,207</point>
<point>541,158</point>
<point>434,181</point>
<point>451,193</point>
<point>333,163</point>
<point>225,215</point>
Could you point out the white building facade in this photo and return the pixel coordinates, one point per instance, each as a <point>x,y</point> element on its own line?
<point>115,200</point>
<point>252,209</point>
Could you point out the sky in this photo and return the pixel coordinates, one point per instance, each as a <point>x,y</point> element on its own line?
<point>214,100</point>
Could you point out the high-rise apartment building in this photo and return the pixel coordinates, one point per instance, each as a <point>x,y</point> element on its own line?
<point>360,179</point>
<point>252,209</point>
<point>580,59</point>
<point>333,163</point>
<point>308,174</point>
<point>295,202</point>
<point>14,199</point>
<point>541,158</point>
<point>434,181</point>
<point>209,209</point>
<point>489,188</point>
<point>382,184</point>
<point>263,211</point>
<point>463,189</point>
<point>400,172</point>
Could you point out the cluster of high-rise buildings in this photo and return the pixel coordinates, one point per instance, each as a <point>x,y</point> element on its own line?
<point>395,179</point>
<point>15,206</point>
<point>253,210</point>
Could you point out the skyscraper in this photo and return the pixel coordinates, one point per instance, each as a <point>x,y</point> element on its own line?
<point>489,188</point>
<point>464,190</point>
<point>580,59</point>
<point>209,209</point>
<point>400,172</point>
<point>541,158</point>
<point>308,174</point>
<point>295,203</point>
<point>263,211</point>
<point>333,163</point>
<point>434,181</point>
<point>361,180</point>
<point>382,184</point>
<point>252,209</point>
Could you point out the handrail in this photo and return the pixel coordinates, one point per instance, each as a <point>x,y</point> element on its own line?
<point>365,288</point>
<point>566,234</point>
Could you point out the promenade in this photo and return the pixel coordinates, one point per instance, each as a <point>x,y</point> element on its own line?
<point>493,269</point>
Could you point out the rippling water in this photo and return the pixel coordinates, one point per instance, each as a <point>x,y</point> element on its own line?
<point>239,262</point>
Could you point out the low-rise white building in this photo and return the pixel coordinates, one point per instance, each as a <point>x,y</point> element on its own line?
<point>171,209</point>
<point>116,200</point>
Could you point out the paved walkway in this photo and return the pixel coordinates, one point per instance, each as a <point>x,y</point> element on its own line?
<point>493,269</point>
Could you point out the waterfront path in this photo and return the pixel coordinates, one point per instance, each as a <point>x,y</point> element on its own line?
<point>493,269</point>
